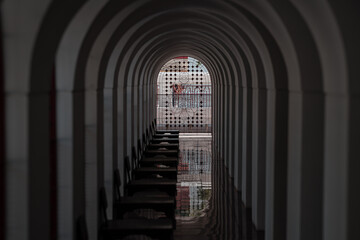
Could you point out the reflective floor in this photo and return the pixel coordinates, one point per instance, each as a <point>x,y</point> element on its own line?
<point>208,207</point>
<point>194,178</point>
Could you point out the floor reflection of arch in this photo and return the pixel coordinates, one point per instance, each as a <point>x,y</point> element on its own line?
<point>194,180</point>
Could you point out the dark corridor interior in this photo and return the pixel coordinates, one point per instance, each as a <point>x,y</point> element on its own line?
<point>83,145</point>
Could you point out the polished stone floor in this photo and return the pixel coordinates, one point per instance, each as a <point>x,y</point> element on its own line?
<point>208,207</point>
<point>194,186</point>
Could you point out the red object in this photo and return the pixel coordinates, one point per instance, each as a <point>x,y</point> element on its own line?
<point>178,88</point>
<point>183,198</point>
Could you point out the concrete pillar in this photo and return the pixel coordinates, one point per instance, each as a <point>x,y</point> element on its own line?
<point>216,112</point>
<point>216,118</point>
<point>353,168</point>
<point>109,147</point>
<point>144,108</point>
<point>128,124</point>
<point>65,177</point>
<point>219,130</point>
<point>276,164</point>
<point>147,89</point>
<point>246,147</point>
<point>295,133</point>
<point>259,158</point>
<point>254,152</point>
<point>115,127</point>
<point>224,125</point>
<point>231,133</point>
<point>26,168</point>
<point>93,161</point>
<point>17,223</point>
<point>312,166</point>
<point>221,120</point>
<point>135,115</point>
<point>238,138</point>
<point>2,142</point>
<point>81,123</point>
<point>270,155</point>
<point>121,121</point>
<point>341,154</point>
<point>226,117</point>
<point>141,101</point>
<point>305,173</point>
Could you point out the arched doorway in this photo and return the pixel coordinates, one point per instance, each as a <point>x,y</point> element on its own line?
<point>184,96</point>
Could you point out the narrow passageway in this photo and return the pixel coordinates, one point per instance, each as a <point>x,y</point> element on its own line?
<point>95,94</point>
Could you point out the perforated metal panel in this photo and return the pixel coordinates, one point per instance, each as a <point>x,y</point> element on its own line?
<point>184,96</point>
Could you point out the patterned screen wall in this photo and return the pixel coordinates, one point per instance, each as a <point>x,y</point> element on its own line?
<point>184,96</point>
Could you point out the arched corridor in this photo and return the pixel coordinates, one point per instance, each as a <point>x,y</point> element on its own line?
<point>78,89</point>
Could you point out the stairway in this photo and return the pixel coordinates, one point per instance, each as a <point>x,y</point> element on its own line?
<point>147,209</point>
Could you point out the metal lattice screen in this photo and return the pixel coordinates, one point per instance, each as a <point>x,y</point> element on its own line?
<point>184,96</point>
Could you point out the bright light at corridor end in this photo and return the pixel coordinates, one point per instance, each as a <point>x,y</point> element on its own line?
<point>184,96</point>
